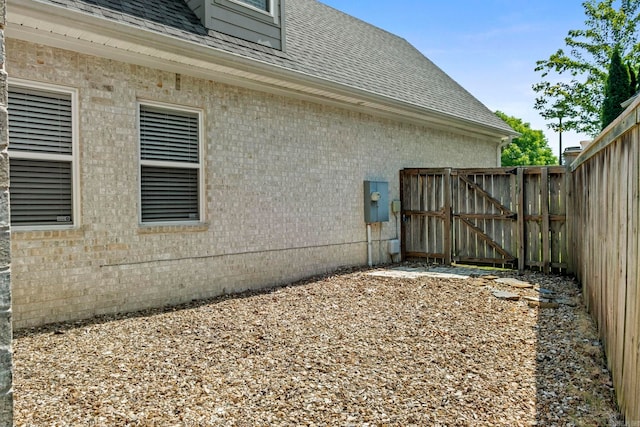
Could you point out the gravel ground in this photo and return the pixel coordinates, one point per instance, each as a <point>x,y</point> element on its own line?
<point>345,349</point>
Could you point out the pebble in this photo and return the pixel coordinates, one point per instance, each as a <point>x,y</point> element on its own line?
<point>343,349</point>
<point>506,295</point>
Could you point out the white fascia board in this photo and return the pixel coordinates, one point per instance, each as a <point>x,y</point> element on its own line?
<point>64,28</point>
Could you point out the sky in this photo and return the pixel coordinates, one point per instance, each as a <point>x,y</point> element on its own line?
<point>490,47</point>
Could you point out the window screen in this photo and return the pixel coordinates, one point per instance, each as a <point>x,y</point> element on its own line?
<point>40,148</point>
<point>170,162</point>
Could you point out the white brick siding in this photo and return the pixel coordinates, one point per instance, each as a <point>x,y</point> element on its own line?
<point>284,182</point>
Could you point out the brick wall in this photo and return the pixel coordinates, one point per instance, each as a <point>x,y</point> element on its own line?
<point>284,183</point>
<point>6,365</point>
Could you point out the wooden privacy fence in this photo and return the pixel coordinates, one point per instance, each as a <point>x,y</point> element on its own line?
<point>606,248</point>
<point>509,217</point>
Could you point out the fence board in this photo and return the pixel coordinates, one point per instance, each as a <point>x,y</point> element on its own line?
<point>544,211</point>
<point>630,391</point>
<point>605,212</point>
<point>446,203</point>
<point>490,216</point>
<point>521,222</point>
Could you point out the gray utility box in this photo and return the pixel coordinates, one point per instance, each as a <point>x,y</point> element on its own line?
<point>376,201</point>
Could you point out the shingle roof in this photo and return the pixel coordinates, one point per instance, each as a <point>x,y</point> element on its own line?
<point>321,42</point>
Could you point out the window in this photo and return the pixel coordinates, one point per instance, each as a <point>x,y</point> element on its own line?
<point>41,156</point>
<point>251,20</point>
<point>258,4</point>
<point>170,170</point>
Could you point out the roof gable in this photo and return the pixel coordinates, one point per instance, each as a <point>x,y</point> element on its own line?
<point>322,43</point>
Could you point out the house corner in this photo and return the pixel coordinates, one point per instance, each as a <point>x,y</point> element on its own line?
<point>6,365</point>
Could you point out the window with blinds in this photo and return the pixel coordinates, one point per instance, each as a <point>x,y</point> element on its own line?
<point>40,157</point>
<point>169,165</point>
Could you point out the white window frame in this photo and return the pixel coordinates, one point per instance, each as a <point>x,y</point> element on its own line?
<point>269,16</point>
<point>245,4</point>
<point>73,158</point>
<point>168,164</point>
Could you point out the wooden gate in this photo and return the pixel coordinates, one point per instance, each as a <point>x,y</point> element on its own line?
<point>506,217</point>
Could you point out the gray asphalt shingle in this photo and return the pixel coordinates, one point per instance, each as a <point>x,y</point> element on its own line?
<point>322,42</point>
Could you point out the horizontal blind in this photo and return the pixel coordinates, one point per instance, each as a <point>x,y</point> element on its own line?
<point>40,192</point>
<point>40,121</point>
<point>169,194</point>
<point>168,135</point>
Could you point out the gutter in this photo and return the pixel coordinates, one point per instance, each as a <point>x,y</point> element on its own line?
<point>41,23</point>
<point>503,143</point>
<point>508,140</point>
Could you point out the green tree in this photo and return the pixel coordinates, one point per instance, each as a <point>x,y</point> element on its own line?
<point>530,148</point>
<point>617,89</point>
<point>633,78</point>
<point>582,69</point>
<point>559,107</point>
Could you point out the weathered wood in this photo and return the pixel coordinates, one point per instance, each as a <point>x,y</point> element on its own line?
<point>447,229</point>
<point>540,217</point>
<point>631,366</point>
<point>620,223</point>
<point>486,195</point>
<point>486,238</point>
<point>521,219</point>
<point>483,171</point>
<point>537,170</point>
<point>483,216</point>
<point>437,214</point>
<point>569,235</point>
<point>494,261</point>
<point>486,214</point>
<point>403,227</point>
<point>544,210</point>
<point>605,216</point>
<point>532,228</point>
<point>426,255</point>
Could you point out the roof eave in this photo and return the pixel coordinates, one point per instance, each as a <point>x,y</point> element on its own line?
<point>37,22</point>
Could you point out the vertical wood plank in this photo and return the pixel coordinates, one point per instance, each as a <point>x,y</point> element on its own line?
<point>633,281</point>
<point>570,221</point>
<point>511,194</point>
<point>605,265</point>
<point>532,202</point>
<point>544,211</point>
<point>618,188</point>
<point>424,206</point>
<point>521,219</point>
<point>447,216</point>
<point>403,227</point>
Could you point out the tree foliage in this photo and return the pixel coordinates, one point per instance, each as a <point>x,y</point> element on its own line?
<point>581,70</point>
<point>633,79</point>
<point>530,148</point>
<point>617,89</point>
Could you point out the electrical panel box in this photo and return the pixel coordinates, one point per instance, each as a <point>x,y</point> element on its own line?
<point>376,201</point>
